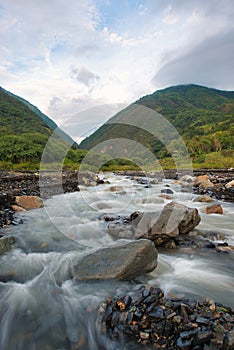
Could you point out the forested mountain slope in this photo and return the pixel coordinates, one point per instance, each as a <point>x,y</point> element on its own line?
<point>204,117</point>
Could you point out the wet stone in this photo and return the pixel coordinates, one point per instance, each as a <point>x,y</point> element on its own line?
<point>157,313</point>
<point>169,323</point>
<point>202,320</point>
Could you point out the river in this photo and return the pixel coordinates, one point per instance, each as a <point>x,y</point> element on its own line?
<point>41,307</point>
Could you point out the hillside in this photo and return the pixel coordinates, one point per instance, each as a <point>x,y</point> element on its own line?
<point>204,117</point>
<point>24,132</point>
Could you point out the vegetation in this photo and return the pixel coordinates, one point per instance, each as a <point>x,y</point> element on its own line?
<point>24,133</point>
<point>203,117</point>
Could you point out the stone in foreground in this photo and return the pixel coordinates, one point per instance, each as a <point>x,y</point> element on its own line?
<point>149,318</point>
<point>123,261</point>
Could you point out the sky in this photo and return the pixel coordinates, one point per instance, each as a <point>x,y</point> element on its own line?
<point>82,61</point>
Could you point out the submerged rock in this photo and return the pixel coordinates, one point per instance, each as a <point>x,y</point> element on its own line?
<point>203,198</point>
<point>123,261</point>
<point>6,243</point>
<point>116,188</point>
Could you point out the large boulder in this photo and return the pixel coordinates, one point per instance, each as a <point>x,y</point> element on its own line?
<point>173,220</point>
<point>6,243</point>
<point>160,227</point>
<point>122,261</point>
<point>29,202</point>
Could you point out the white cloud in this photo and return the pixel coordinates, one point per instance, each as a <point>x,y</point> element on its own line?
<point>66,57</point>
<point>171,16</point>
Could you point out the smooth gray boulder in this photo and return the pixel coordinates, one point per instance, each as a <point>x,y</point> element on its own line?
<point>122,261</point>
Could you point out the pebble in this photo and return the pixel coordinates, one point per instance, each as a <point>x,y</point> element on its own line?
<point>169,323</point>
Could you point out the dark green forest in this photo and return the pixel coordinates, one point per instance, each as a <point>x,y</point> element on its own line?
<point>24,132</point>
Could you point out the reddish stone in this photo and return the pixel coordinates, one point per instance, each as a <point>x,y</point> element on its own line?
<point>214,209</point>
<point>29,202</point>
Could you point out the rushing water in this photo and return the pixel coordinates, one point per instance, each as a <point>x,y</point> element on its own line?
<point>41,307</point>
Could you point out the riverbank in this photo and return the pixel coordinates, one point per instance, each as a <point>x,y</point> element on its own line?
<point>19,184</point>
<point>147,319</point>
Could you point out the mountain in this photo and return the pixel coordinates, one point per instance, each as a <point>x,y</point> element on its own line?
<point>202,116</point>
<point>25,130</point>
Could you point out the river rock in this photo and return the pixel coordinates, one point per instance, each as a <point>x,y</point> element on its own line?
<point>203,198</point>
<point>6,243</point>
<point>165,196</point>
<point>154,181</point>
<point>174,219</point>
<point>159,322</point>
<point>204,183</point>
<point>214,209</point>
<point>17,208</point>
<point>160,227</point>
<point>155,200</point>
<point>116,188</point>
<point>201,178</point>
<point>230,184</point>
<point>167,191</point>
<point>228,342</point>
<point>123,261</point>
<point>187,181</point>
<point>29,202</point>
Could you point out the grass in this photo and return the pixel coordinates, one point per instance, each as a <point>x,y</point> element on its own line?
<point>213,160</point>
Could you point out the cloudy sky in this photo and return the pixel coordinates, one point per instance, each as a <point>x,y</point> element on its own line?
<point>81,61</point>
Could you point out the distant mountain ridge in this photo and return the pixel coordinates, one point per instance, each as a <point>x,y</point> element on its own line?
<point>203,116</point>
<point>49,122</point>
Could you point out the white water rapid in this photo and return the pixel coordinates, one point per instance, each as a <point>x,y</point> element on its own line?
<point>42,308</point>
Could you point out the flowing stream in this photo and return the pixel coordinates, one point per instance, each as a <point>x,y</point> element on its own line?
<point>41,307</point>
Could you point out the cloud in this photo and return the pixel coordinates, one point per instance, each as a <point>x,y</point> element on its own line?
<point>66,57</point>
<point>84,76</point>
<point>209,63</point>
<point>171,16</point>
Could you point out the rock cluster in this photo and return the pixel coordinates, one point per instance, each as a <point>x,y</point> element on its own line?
<point>147,317</point>
<point>160,227</point>
<point>22,190</point>
<point>220,187</point>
